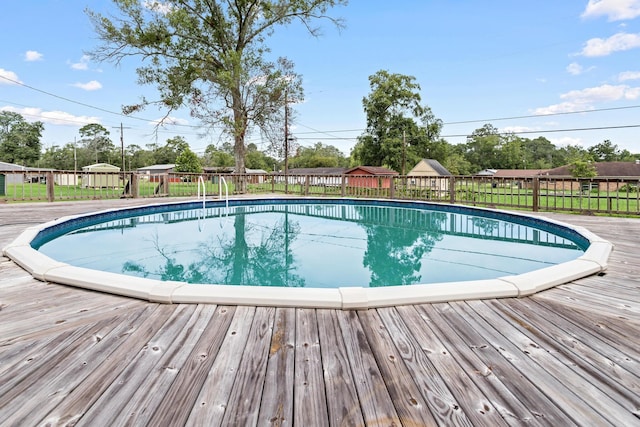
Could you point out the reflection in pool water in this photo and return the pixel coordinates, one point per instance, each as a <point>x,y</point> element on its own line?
<point>312,245</point>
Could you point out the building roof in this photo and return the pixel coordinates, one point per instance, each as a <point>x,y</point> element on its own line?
<point>487,172</point>
<point>12,167</point>
<point>372,170</point>
<point>518,173</point>
<point>511,173</point>
<point>102,166</point>
<point>256,171</point>
<point>317,171</point>
<point>433,164</point>
<point>158,167</point>
<point>231,169</point>
<point>620,169</point>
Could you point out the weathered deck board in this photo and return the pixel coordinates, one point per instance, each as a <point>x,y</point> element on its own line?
<point>341,394</point>
<point>503,384</point>
<point>374,398</point>
<point>215,391</point>
<point>411,405</point>
<point>566,356</point>
<point>562,376</point>
<point>181,397</point>
<point>309,402</point>
<point>277,396</point>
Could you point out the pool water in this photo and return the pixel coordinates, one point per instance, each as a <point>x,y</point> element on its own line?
<point>320,245</point>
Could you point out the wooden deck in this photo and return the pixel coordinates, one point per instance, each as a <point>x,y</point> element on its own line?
<point>567,356</point>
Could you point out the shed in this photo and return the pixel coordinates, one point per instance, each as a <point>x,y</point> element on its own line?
<point>370,177</point>
<point>153,172</point>
<point>322,176</point>
<point>13,174</point>
<point>101,175</point>
<point>429,174</point>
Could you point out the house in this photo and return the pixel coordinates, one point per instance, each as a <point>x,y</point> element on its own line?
<point>153,172</point>
<point>604,169</point>
<point>519,173</point>
<point>509,177</point>
<point>370,177</point>
<point>511,173</point>
<point>323,176</point>
<point>611,175</point>
<point>487,172</point>
<point>101,175</point>
<point>256,176</point>
<point>12,173</point>
<point>429,174</point>
<point>18,174</point>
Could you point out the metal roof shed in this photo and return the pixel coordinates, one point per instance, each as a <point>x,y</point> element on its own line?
<point>101,175</point>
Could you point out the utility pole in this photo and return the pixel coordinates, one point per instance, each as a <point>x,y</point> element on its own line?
<point>75,163</point>
<point>404,152</point>
<point>124,166</point>
<point>286,141</point>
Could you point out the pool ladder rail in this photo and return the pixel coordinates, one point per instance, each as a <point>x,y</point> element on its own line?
<point>202,187</point>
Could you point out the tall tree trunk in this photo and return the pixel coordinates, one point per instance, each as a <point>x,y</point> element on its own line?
<point>239,148</point>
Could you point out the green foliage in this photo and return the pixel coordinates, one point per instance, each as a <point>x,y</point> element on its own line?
<point>400,130</point>
<point>19,140</point>
<point>606,151</point>
<point>217,158</point>
<point>319,155</point>
<point>583,169</point>
<point>210,55</point>
<point>628,188</point>
<point>188,161</point>
<point>97,145</point>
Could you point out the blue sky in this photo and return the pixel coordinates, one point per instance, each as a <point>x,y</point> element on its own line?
<point>527,66</point>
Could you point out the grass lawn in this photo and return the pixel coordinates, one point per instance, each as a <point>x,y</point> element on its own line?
<point>472,194</point>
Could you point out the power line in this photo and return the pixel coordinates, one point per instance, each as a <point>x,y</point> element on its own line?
<point>518,132</point>
<point>330,134</point>
<point>530,116</point>
<point>88,105</point>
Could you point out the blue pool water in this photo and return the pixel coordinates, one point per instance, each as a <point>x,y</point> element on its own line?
<point>311,243</point>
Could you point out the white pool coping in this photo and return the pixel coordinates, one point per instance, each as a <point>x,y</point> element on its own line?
<point>43,268</point>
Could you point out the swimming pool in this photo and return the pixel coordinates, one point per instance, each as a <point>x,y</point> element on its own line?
<point>339,253</point>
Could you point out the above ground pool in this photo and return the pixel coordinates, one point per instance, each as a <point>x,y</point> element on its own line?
<point>340,253</point>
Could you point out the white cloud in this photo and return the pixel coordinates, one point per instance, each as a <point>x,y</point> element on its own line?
<point>158,6</point>
<point>89,86</point>
<point>632,94</point>
<point>584,100</point>
<point>574,69</point>
<point>563,107</point>
<point>565,141</point>
<point>614,10</point>
<point>52,117</point>
<point>32,55</point>
<point>81,65</point>
<point>616,43</point>
<point>10,75</point>
<point>628,75</point>
<point>596,94</point>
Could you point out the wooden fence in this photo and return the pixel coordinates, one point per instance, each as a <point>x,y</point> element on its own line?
<point>600,195</point>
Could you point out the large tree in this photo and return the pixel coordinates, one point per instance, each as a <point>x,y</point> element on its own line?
<point>95,140</point>
<point>399,128</point>
<point>210,55</point>
<point>319,155</point>
<point>607,151</point>
<point>19,139</point>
